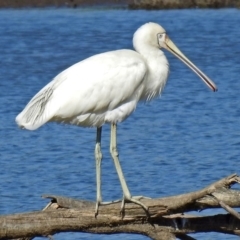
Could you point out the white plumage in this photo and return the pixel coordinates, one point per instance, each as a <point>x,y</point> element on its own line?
<point>99,89</point>
<point>106,88</point>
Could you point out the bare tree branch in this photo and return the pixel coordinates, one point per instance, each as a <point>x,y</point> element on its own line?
<point>166,221</point>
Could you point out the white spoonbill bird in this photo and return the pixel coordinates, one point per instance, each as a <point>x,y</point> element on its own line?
<point>106,88</point>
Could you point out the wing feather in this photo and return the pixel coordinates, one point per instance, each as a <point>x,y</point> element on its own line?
<point>95,85</point>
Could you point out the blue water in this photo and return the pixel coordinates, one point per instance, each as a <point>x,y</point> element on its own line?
<point>183,141</point>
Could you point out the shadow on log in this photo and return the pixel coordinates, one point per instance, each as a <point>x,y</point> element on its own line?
<point>167,219</point>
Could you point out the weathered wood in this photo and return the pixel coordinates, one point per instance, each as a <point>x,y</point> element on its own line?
<point>166,221</point>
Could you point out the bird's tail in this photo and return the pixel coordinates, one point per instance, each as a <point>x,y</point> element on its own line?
<point>36,113</point>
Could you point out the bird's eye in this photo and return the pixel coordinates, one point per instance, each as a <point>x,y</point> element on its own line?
<point>160,36</point>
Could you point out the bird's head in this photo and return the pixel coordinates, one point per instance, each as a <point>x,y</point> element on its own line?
<point>149,34</point>
<point>152,35</point>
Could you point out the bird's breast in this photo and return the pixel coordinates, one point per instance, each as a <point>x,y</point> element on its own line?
<point>156,78</point>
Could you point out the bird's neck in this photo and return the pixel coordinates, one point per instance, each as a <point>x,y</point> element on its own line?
<point>158,70</point>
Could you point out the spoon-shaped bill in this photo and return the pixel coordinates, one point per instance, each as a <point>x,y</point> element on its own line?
<point>171,47</point>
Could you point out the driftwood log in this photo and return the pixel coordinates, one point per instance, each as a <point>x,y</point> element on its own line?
<point>167,219</point>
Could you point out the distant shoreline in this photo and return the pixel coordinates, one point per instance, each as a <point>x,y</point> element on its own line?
<point>130,4</point>
<point>61,3</point>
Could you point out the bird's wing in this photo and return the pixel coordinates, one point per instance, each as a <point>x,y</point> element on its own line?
<point>94,85</point>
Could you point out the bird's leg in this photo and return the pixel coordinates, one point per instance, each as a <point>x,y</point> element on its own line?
<point>114,152</point>
<point>98,157</point>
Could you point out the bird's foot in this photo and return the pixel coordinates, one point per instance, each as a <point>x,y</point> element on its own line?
<point>140,197</point>
<point>100,203</point>
<point>136,200</point>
